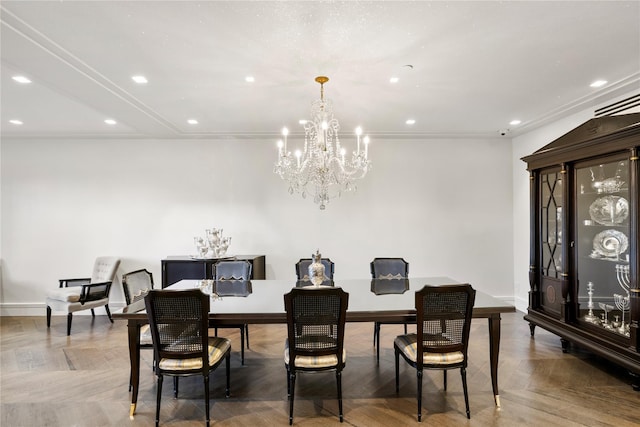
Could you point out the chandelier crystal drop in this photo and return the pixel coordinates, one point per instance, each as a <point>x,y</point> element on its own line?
<point>322,168</point>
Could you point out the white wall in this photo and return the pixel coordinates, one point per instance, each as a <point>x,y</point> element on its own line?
<point>445,206</point>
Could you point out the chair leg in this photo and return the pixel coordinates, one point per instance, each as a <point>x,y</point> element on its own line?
<point>405,329</point>
<point>288,383</point>
<point>175,387</point>
<point>227,392</point>
<point>339,381</point>
<point>159,387</point>
<point>463,373</point>
<point>445,379</point>
<point>106,307</point>
<point>206,397</point>
<point>397,354</point>
<point>242,345</point>
<point>292,388</point>
<point>215,331</point>
<point>419,395</point>
<point>376,326</point>
<point>48,317</point>
<point>93,313</point>
<point>69,318</point>
<point>378,341</point>
<point>246,326</point>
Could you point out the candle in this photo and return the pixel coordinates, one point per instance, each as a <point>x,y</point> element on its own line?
<point>366,146</point>
<point>298,155</point>
<point>343,152</point>
<point>358,133</point>
<point>280,147</point>
<point>285,132</point>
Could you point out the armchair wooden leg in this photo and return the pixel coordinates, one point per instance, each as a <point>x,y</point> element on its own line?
<point>48,317</point>
<point>246,327</point>
<point>445,379</point>
<point>69,318</point>
<point>93,313</point>
<point>106,307</point>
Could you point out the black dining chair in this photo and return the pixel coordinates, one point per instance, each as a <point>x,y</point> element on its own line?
<point>387,269</point>
<point>315,335</point>
<point>443,321</point>
<point>179,321</point>
<point>228,271</point>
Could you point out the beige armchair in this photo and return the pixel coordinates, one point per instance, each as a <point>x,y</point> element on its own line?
<point>82,294</point>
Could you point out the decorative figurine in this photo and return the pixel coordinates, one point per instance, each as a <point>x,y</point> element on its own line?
<point>316,269</point>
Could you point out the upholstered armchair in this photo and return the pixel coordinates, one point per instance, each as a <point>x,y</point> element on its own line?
<point>84,294</point>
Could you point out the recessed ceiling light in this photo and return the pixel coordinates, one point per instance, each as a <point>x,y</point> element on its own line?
<point>598,83</point>
<point>110,121</point>
<point>249,79</point>
<point>140,79</point>
<point>411,122</point>
<point>15,122</point>
<point>515,122</point>
<point>192,121</point>
<point>394,80</point>
<point>21,79</point>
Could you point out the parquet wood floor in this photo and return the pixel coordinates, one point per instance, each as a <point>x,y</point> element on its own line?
<point>49,379</point>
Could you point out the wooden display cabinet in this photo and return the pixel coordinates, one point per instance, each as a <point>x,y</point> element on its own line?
<point>584,240</point>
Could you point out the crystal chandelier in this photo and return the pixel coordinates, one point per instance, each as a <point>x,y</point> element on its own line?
<point>322,169</point>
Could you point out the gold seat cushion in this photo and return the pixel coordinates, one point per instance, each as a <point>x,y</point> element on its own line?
<point>218,347</point>
<point>408,345</point>
<point>318,362</point>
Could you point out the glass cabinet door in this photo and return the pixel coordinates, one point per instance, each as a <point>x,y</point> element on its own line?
<point>602,245</point>
<point>551,223</point>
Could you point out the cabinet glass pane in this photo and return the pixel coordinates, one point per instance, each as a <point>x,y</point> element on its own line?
<point>602,245</point>
<point>551,226</point>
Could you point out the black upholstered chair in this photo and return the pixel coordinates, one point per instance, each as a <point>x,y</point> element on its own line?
<point>136,285</point>
<point>92,292</point>
<point>179,321</point>
<point>234,270</point>
<point>387,269</point>
<point>443,320</point>
<point>315,330</point>
<point>302,270</point>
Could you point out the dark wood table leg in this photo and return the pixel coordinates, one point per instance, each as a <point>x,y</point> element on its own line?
<point>494,350</point>
<point>134,358</point>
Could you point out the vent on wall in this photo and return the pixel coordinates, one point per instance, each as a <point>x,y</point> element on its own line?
<point>629,105</point>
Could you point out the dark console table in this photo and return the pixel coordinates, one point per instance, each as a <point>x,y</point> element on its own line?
<point>178,267</point>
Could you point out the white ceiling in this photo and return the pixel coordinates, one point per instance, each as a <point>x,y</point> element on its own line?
<point>474,66</point>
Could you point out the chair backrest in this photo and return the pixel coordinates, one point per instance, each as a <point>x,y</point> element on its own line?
<point>136,284</point>
<point>443,315</point>
<point>302,268</point>
<point>389,268</point>
<point>179,322</point>
<point>104,269</point>
<point>230,270</point>
<point>315,322</point>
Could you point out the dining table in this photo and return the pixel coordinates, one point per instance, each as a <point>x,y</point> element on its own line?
<point>234,302</point>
